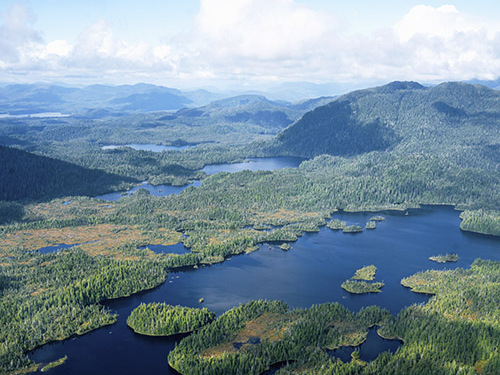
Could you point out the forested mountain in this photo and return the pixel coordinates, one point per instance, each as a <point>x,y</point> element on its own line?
<point>252,109</point>
<point>24,175</point>
<point>403,117</point>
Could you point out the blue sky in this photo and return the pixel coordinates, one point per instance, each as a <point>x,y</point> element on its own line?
<point>247,43</point>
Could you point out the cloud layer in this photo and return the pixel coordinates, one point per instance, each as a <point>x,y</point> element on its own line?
<point>260,40</point>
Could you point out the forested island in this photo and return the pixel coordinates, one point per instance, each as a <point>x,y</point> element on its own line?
<point>393,147</point>
<point>358,283</point>
<point>160,319</point>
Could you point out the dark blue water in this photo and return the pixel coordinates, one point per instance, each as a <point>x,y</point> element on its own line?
<point>255,164</point>
<point>178,248</point>
<point>159,191</point>
<point>149,147</point>
<point>368,350</point>
<point>310,273</point>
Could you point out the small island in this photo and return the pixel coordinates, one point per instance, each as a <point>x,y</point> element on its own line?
<point>377,218</point>
<point>352,229</point>
<point>360,287</point>
<point>336,224</point>
<point>358,283</point>
<point>366,273</point>
<point>160,319</point>
<point>371,224</point>
<point>285,246</point>
<point>444,258</point>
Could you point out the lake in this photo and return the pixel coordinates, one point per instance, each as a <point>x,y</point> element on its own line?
<point>310,273</point>
<point>254,164</point>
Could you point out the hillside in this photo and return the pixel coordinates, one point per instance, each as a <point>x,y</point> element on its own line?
<point>403,117</point>
<point>24,175</point>
<point>255,110</point>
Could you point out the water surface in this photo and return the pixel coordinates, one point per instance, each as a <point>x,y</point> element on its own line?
<point>310,273</point>
<point>178,248</point>
<point>255,164</point>
<point>158,190</point>
<point>368,350</point>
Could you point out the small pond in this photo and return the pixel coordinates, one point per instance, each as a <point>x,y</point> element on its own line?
<point>178,248</point>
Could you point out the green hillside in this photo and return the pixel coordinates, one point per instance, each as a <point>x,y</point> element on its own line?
<point>457,119</point>
<point>24,175</point>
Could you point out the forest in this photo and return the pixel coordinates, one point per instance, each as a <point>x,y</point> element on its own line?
<point>456,332</point>
<point>160,319</point>
<point>395,147</point>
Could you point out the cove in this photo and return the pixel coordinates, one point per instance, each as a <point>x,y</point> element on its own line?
<point>311,272</point>
<point>368,350</point>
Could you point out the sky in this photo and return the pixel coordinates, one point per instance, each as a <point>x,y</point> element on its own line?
<point>248,43</point>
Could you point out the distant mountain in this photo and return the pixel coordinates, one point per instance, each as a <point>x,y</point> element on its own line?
<point>25,176</point>
<point>492,84</point>
<point>254,109</point>
<point>295,91</point>
<point>39,98</point>
<point>402,117</point>
<point>28,99</point>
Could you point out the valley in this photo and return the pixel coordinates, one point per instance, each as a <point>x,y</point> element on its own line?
<point>262,174</point>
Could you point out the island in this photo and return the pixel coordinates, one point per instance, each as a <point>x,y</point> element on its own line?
<point>372,224</point>
<point>285,246</point>
<point>352,229</point>
<point>444,258</point>
<point>366,273</point>
<point>336,224</point>
<point>360,287</point>
<point>160,319</point>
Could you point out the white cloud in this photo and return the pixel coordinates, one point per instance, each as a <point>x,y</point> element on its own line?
<point>263,40</point>
<point>444,43</point>
<point>15,31</point>
<point>259,29</point>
